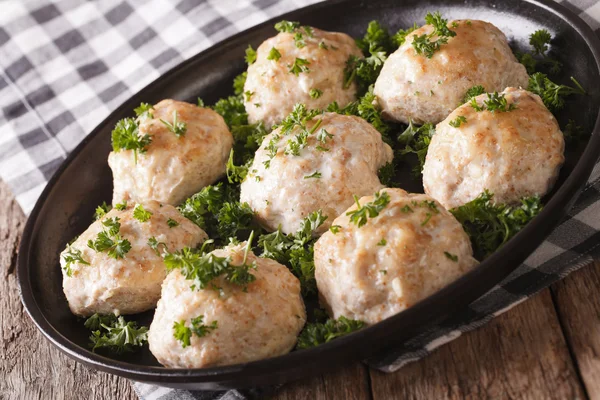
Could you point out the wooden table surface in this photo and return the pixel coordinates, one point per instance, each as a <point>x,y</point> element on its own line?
<point>545,348</point>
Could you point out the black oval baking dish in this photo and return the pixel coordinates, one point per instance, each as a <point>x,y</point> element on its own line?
<point>84,180</point>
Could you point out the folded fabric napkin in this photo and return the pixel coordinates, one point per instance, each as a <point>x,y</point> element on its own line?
<point>64,65</point>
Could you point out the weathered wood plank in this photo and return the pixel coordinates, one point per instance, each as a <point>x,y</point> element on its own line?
<point>521,354</point>
<point>578,304</point>
<point>349,383</point>
<point>30,367</point>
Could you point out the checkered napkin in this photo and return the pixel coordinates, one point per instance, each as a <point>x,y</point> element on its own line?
<point>64,65</point>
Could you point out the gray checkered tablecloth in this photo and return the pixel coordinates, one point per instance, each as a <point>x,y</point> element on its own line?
<point>64,65</point>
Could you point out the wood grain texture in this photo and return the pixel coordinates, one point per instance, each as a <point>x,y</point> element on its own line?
<point>30,367</point>
<point>578,305</point>
<point>519,355</point>
<point>349,383</point>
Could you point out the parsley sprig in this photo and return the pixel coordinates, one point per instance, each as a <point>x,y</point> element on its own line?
<point>183,333</point>
<point>415,140</point>
<point>495,102</point>
<point>101,210</point>
<point>370,209</point>
<point>315,334</point>
<point>296,250</point>
<point>540,57</point>
<point>376,45</point>
<point>552,94</point>
<point>115,334</point>
<point>202,268</point>
<point>110,240</point>
<point>473,92</point>
<point>300,65</point>
<point>491,225</point>
<point>126,136</point>
<point>72,256</point>
<point>300,32</point>
<point>366,108</point>
<point>141,214</point>
<point>424,44</point>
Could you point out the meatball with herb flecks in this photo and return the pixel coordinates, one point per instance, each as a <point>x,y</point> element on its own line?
<point>423,83</point>
<point>299,65</point>
<point>507,143</point>
<point>183,148</point>
<point>115,267</point>
<point>388,252</point>
<point>228,319</point>
<point>316,165</point>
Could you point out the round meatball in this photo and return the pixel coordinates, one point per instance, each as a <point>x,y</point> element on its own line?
<point>413,248</point>
<point>260,321</point>
<point>339,160</point>
<point>130,284</point>
<point>174,166</point>
<point>412,87</point>
<point>512,154</point>
<point>271,90</point>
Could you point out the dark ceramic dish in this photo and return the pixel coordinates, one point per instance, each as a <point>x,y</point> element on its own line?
<point>84,180</point>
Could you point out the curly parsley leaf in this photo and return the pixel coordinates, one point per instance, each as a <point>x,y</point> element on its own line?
<point>376,45</point>
<point>315,334</point>
<point>144,111</point>
<point>458,121</point>
<point>72,256</point>
<point>101,210</point>
<point>114,334</point>
<point>491,225</point>
<point>202,268</point>
<point>235,174</point>
<point>172,223</point>
<point>386,174</point>
<point>126,136</point>
<point>552,94</point>
<point>232,110</point>
<point>250,55</point>
<point>287,26</point>
<point>370,209</point>
<point>121,206</point>
<point>315,93</point>
<point>400,37</point>
<point>274,54</point>
<point>416,140</point>
<point>238,83</point>
<point>296,250</point>
<point>141,214</point>
<point>300,65</point>
<point>234,219</point>
<point>366,108</point>
<point>540,41</point>
<point>184,334</point>
<point>473,92</point>
<point>110,240</point>
<point>424,45</point>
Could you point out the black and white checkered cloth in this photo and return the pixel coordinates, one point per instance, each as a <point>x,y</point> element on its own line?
<point>65,64</point>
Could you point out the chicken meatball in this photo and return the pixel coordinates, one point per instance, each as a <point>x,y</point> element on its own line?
<point>102,283</point>
<point>308,71</point>
<point>189,150</point>
<point>513,154</point>
<point>340,159</point>
<point>259,321</point>
<point>412,87</point>
<point>411,249</point>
